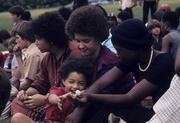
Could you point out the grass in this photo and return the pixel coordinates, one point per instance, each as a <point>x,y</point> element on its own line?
<point>5,22</point>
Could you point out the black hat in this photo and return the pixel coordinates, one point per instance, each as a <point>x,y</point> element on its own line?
<point>132,34</point>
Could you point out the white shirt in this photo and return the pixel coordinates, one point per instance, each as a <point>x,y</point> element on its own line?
<point>125,4</point>
<point>167,108</point>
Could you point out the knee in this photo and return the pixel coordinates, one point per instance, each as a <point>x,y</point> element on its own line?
<point>17,118</point>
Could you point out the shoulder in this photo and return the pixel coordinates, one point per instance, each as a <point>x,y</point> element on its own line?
<point>106,58</point>
<point>163,59</point>
<point>107,55</point>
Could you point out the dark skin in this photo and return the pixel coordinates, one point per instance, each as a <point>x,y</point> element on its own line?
<point>143,89</point>
<point>177,62</point>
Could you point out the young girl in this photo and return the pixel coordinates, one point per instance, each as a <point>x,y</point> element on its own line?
<point>76,74</point>
<point>155,28</point>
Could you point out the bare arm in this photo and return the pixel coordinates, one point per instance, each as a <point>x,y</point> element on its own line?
<point>106,80</point>
<point>31,91</point>
<point>99,85</point>
<point>53,99</point>
<point>177,62</point>
<point>137,93</point>
<point>134,4</point>
<point>166,42</point>
<point>25,83</point>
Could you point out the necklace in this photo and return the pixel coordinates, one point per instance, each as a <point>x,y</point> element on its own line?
<point>150,60</point>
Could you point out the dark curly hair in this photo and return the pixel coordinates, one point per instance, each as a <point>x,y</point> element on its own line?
<point>4,35</point>
<point>51,27</point>
<point>17,10</point>
<point>172,18</point>
<point>88,20</point>
<point>81,65</point>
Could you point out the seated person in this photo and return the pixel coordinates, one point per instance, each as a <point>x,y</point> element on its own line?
<point>50,38</point>
<point>153,71</point>
<point>167,108</point>
<point>5,89</point>
<point>76,74</point>
<point>8,61</point>
<point>30,65</point>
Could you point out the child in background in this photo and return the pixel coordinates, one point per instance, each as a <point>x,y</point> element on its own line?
<point>16,13</point>
<point>8,61</point>
<point>155,28</point>
<point>76,74</point>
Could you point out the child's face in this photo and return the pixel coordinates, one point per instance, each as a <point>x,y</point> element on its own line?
<point>75,81</point>
<point>15,18</point>
<point>20,42</point>
<point>156,31</point>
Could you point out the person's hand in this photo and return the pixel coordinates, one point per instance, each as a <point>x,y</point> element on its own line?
<point>35,101</point>
<point>61,100</point>
<point>17,50</point>
<point>22,95</point>
<point>78,100</point>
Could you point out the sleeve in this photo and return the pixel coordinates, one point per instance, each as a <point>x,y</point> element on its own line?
<point>105,69</point>
<point>161,71</point>
<point>42,83</point>
<point>31,66</point>
<point>57,90</point>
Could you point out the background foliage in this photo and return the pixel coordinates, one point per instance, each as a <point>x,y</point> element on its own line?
<point>31,4</point>
<point>5,21</point>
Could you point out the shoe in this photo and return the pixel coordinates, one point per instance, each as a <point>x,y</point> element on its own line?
<point>113,119</point>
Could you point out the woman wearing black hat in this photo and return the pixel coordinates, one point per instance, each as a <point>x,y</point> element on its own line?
<point>152,70</point>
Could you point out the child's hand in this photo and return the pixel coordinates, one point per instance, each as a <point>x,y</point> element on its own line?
<point>61,100</point>
<point>17,50</point>
<point>78,99</point>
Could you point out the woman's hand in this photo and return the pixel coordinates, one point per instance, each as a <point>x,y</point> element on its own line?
<point>22,95</point>
<point>78,100</point>
<point>35,100</point>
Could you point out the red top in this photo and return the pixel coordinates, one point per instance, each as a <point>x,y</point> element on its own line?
<point>53,113</point>
<point>1,60</point>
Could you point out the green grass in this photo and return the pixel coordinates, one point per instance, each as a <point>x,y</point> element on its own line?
<point>5,22</point>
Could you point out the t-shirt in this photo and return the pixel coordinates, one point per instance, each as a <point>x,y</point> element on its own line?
<point>159,73</point>
<point>53,113</point>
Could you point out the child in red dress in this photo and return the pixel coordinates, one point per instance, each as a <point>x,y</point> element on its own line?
<point>76,74</point>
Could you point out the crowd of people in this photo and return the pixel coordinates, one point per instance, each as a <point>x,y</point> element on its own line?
<point>85,65</point>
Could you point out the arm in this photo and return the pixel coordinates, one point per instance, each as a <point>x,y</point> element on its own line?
<point>106,80</point>
<point>137,93</point>
<point>99,85</point>
<point>134,4</point>
<point>53,99</point>
<point>31,68</point>
<point>24,84</point>
<point>177,62</point>
<point>18,54</point>
<point>166,42</point>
